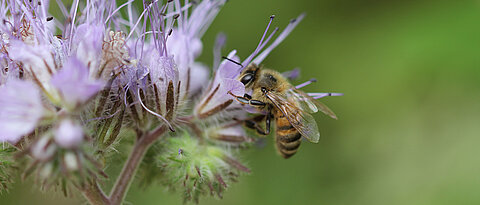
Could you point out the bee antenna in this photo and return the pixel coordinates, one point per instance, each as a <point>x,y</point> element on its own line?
<point>231,60</point>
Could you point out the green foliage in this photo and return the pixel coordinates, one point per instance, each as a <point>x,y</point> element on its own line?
<point>6,167</point>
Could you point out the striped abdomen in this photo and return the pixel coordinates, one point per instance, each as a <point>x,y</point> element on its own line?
<point>287,138</point>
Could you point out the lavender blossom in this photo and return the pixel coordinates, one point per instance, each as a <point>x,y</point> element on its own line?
<point>73,84</point>
<point>69,134</point>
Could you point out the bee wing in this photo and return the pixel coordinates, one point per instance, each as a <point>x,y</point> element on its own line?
<point>305,102</point>
<point>325,110</point>
<point>308,104</point>
<point>303,122</point>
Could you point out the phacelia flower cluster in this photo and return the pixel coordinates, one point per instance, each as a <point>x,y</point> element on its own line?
<point>76,85</point>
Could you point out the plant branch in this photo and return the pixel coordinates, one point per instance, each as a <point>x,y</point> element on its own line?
<point>94,194</point>
<point>129,169</point>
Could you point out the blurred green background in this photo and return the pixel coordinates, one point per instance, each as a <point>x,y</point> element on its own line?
<point>409,123</point>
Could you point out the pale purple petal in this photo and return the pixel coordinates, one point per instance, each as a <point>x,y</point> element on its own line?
<point>162,67</point>
<point>226,85</point>
<point>20,110</point>
<point>88,44</point>
<point>202,16</point>
<point>233,131</point>
<point>228,69</point>
<point>225,80</point>
<point>43,150</point>
<point>73,83</point>
<point>69,134</point>
<point>37,60</point>
<point>162,70</point>
<point>220,42</point>
<point>199,75</point>
<point>184,48</point>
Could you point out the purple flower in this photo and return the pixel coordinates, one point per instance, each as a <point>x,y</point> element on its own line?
<point>217,98</point>
<point>74,85</point>
<point>185,44</point>
<point>38,62</point>
<point>42,149</point>
<point>20,110</point>
<point>68,134</point>
<point>88,46</point>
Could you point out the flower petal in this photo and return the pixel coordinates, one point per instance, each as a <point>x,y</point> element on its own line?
<point>88,45</point>
<point>198,77</point>
<point>68,134</point>
<point>37,61</point>
<point>20,110</point>
<point>73,83</point>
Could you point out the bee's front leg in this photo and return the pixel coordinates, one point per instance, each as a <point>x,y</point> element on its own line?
<point>246,101</point>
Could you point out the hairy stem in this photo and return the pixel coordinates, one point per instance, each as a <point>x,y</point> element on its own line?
<point>94,194</point>
<point>129,169</point>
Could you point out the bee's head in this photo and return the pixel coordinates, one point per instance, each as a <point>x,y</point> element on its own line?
<point>267,82</point>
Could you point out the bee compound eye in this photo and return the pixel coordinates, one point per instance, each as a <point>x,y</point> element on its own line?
<point>246,79</point>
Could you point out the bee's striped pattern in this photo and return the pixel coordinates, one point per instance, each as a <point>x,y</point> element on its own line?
<point>287,138</point>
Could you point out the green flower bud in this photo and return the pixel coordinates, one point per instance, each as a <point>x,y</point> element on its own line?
<point>197,167</point>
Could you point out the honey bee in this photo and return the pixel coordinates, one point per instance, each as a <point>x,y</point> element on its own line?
<point>272,94</point>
